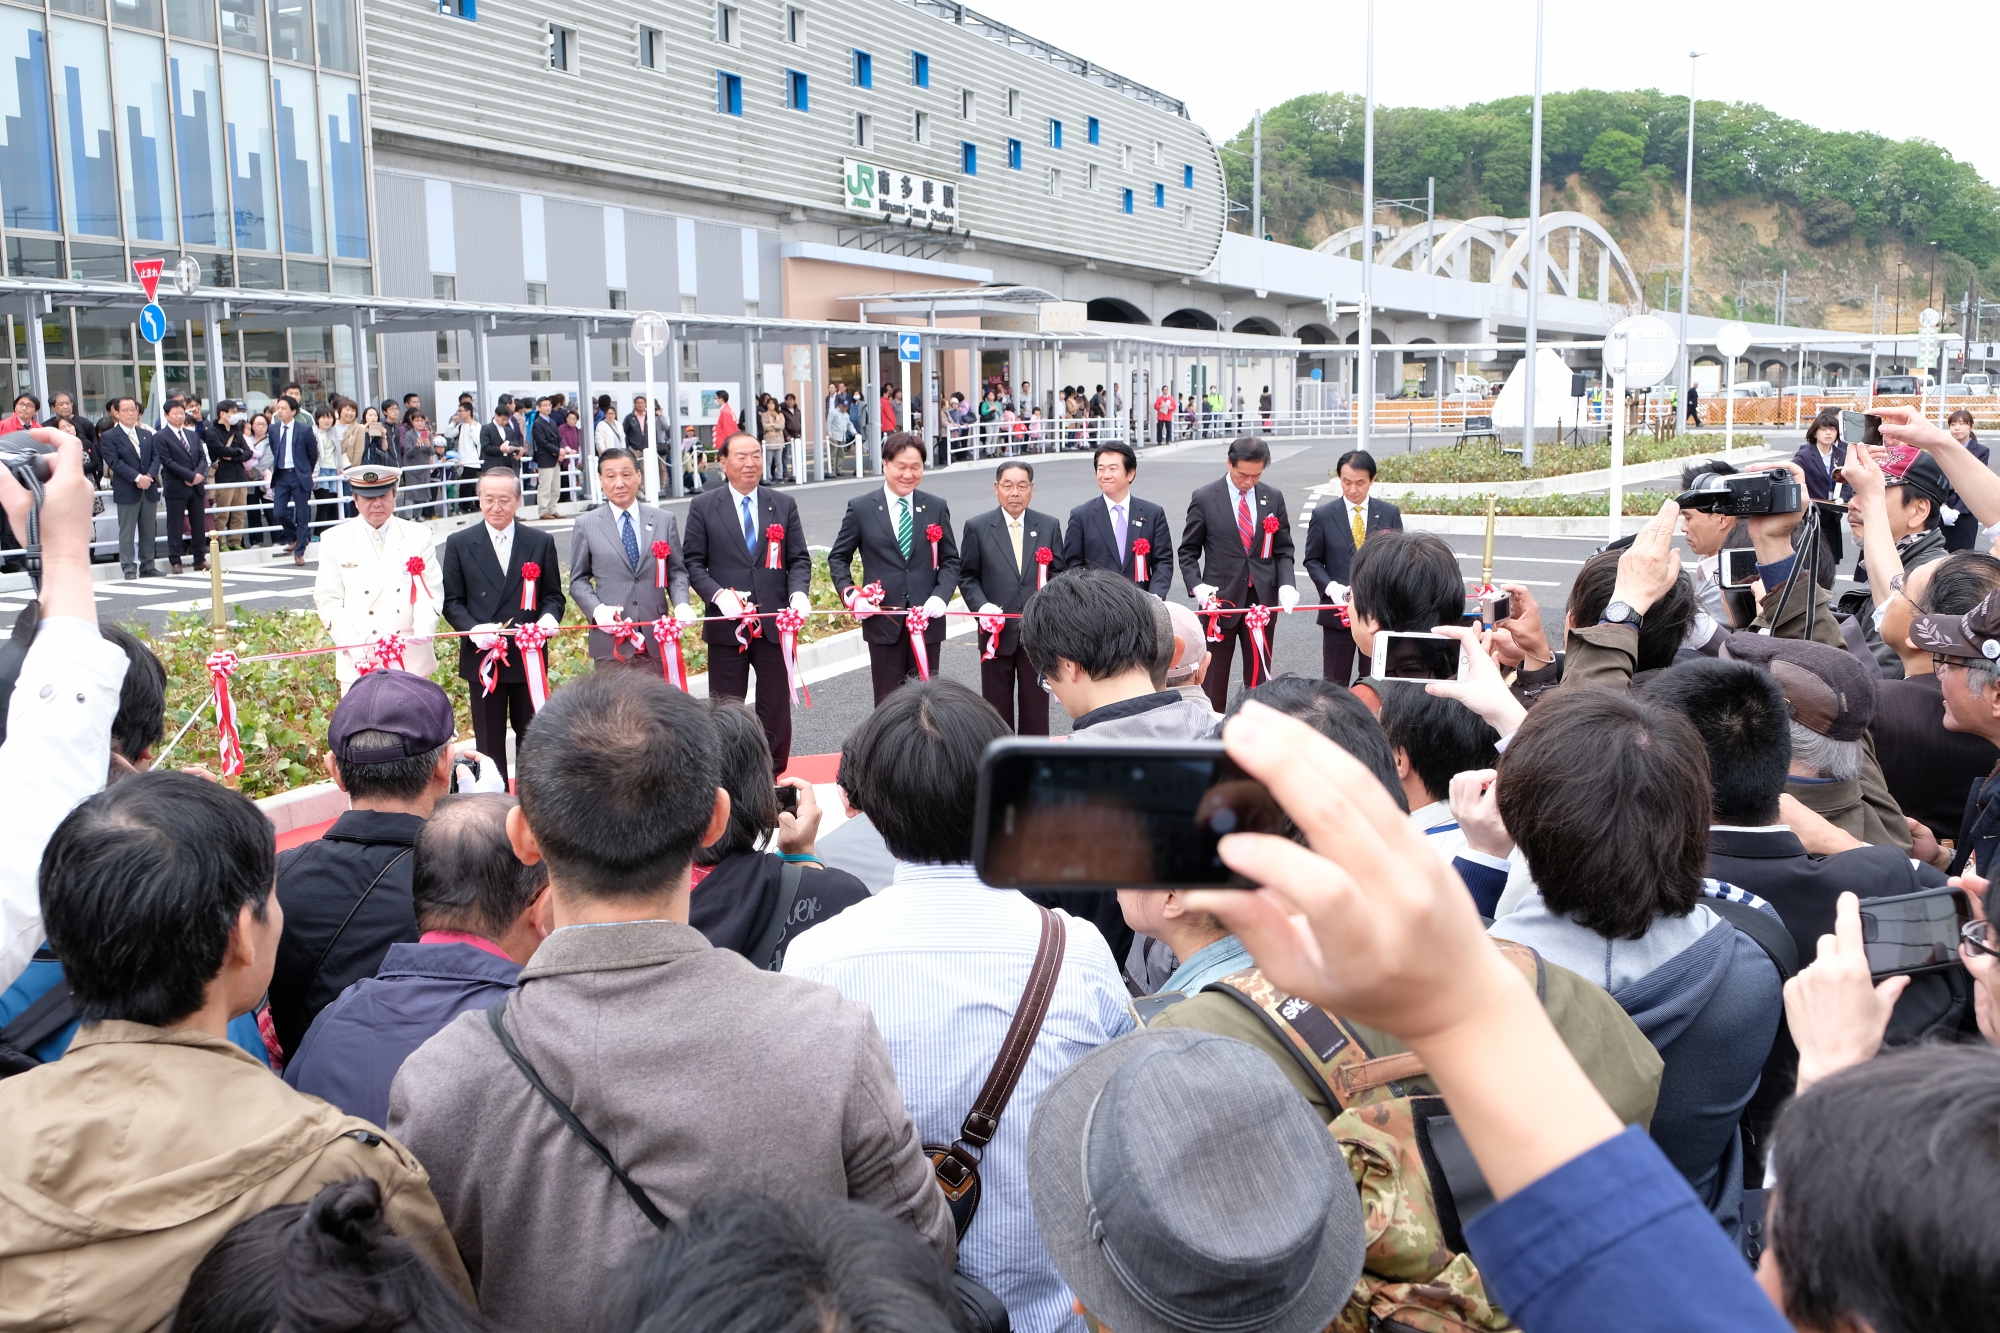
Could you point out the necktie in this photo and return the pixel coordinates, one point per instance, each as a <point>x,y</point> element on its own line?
<point>903,532</point>
<point>1014,535</point>
<point>1243,518</point>
<point>749,527</point>
<point>1354,512</point>
<point>1118,528</point>
<point>631,543</point>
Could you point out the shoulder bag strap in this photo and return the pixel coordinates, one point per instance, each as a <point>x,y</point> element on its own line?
<point>52,1011</point>
<point>764,956</point>
<point>320,962</point>
<point>1765,930</point>
<point>568,1117</point>
<point>983,1120</point>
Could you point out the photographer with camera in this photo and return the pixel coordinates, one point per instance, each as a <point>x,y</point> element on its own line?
<point>1897,518</point>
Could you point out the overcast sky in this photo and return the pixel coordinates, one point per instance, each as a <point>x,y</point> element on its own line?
<point>1836,64</point>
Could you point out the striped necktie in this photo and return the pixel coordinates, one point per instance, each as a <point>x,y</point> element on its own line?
<point>904,533</point>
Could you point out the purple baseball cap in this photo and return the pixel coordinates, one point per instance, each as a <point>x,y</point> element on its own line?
<point>400,703</point>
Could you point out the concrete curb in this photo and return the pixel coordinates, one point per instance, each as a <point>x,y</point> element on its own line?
<point>1573,483</point>
<point>1474,524</point>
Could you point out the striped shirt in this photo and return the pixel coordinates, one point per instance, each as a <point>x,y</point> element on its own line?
<point>942,961</point>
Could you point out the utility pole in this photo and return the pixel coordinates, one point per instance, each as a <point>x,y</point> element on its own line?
<point>1364,416</point>
<point>1430,238</point>
<point>1687,236</point>
<point>1535,256</point>
<point>1784,276</point>
<point>1257,174</point>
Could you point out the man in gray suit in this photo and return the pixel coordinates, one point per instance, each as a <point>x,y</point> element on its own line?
<point>613,571</point>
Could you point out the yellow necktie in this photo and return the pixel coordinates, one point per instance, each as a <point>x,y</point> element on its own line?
<point>1014,535</point>
<point>1359,534</point>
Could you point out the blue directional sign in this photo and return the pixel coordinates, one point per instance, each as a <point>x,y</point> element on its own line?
<point>153,322</point>
<point>909,347</point>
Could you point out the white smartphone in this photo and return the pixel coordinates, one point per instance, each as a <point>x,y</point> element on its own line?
<point>1401,655</point>
<point>1739,567</point>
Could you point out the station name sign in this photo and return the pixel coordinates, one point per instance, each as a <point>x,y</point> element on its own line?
<point>898,195</point>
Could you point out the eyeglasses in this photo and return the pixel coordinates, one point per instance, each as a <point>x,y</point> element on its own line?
<point>1980,937</point>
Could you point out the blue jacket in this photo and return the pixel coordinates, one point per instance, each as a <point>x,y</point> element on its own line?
<point>45,971</point>
<point>351,1053</point>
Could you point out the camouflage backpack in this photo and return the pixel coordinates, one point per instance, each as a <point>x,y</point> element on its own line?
<point>1418,1182</point>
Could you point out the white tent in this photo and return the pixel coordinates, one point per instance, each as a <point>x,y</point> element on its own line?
<point>1552,401</point>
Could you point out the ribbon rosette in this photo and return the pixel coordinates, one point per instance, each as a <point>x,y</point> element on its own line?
<point>1044,557</point>
<point>388,655</point>
<point>1140,550</point>
<point>790,621</point>
<point>1213,608</point>
<point>221,666</point>
<point>622,632</point>
<point>748,626</point>
<point>414,567</point>
<point>667,633</point>
<point>934,534</point>
<point>530,571</point>
<point>530,638</point>
<point>660,553</point>
<point>774,546</point>
<point>992,625</point>
<point>494,658</point>
<point>918,622</point>
<point>871,593</point>
<point>1270,530</point>
<point>1258,618</point>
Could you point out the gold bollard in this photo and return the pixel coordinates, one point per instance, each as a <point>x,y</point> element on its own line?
<point>1486,559</point>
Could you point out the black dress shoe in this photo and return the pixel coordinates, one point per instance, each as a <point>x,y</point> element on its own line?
<point>149,573</point>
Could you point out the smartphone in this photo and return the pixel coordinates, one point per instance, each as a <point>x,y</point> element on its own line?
<point>788,800</point>
<point>1739,567</point>
<point>1860,428</point>
<point>1067,815</point>
<point>1400,655</point>
<point>1913,932</point>
<point>469,767</point>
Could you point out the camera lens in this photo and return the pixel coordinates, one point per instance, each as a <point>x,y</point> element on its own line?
<point>1222,821</point>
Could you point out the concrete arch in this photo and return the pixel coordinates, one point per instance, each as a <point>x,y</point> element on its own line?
<point>1511,269</point>
<point>1188,318</point>
<point>1257,324</point>
<point>1111,310</point>
<point>1376,336</point>
<point>1314,335</point>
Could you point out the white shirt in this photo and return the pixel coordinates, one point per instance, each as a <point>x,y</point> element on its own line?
<point>895,514</point>
<point>503,542</point>
<point>1350,510</point>
<point>941,961</point>
<point>282,433</point>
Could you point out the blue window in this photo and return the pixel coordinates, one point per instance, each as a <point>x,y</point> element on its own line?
<point>1092,127</point>
<point>729,93</point>
<point>1128,201</point>
<point>864,70</point>
<point>1014,154</point>
<point>968,159</point>
<point>797,95</point>
<point>1159,194</point>
<point>1055,134</point>
<point>1187,177</point>
<point>459,9</point>
<point>920,69</point>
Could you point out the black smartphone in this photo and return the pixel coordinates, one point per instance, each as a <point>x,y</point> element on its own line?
<point>1073,815</point>
<point>1739,567</point>
<point>788,800</point>
<point>1913,932</point>
<point>469,767</point>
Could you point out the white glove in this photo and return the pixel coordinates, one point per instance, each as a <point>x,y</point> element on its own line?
<point>801,603</point>
<point>729,603</point>
<point>684,613</point>
<point>1288,597</point>
<point>988,609</point>
<point>1203,591</point>
<point>414,639</point>
<point>934,607</point>
<point>548,623</point>
<point>485,636</point>
<point>606,615</point>
<point>486,778</point>
<point>1336,594</point>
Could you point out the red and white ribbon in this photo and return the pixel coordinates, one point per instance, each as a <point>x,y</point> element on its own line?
<point>1213,608</point>
<point>1270,531</point>
<point>774,546</point>
<point>490,662</point>
<point>748,626</point>
<point>1258,618</point>
<point>221,666</point>
<point>918,622</point>
<point>660,553</point>
<point>1140,550</point>
<point>790,622</point>
<point>1044,557</point>
<point>667,633</point>
<point>529,573</point>
<point>992,627</point>
<point>623,633</point>
<point>870,593</point>
<point>530,638</point>
<point>414,567</point>
<point>934,534</point>
<point>388,655</point>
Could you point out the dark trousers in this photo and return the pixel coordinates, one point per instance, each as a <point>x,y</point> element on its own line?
<point>490,718</point>
<point>890,664</point>
<point>1337,653</point>
<point>729,674</point>
<point>136,522</point>
<point>1163,430</point>
<point>187,506</point>
<point>291,497</point>
<point>1012,675</point>
<point>1216,682</point>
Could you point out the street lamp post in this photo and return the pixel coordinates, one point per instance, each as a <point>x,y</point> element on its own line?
<point>1364,415</point>
<point>1687,237</point>
<point>1536,256</point>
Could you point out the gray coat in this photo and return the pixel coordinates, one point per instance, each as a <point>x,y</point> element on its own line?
<point>600,574</point>
<point>698,1072</point>
<point>1177,723</point>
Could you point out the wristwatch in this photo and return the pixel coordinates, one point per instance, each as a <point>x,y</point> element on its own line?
<point>1619,613</point>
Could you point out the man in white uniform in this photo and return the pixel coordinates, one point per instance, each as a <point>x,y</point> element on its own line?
<point>363,592</point>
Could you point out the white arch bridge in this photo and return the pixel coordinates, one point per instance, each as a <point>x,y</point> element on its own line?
<point>1495,250</point>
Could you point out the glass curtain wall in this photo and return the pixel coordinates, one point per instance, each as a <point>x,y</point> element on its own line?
<point>230,130</point>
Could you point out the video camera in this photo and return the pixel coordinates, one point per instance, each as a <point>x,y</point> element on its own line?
<point>1743,494</point>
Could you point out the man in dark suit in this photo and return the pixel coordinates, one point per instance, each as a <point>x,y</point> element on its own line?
<point>500,439</point>
<point>998,571</point>
<point>890,528</point>
<point>1338,529</point>
<point>635,426</point>
<point>545,443</point>
<point>127,449</point>
<point>183,460</point>
<point>481,572</point>
<point>728,555</point>
<point>294,456</point>
<point>1237,546</point>
<point>1102,532</point>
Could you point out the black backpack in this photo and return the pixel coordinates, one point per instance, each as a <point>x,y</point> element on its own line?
<point>53,1010</point>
